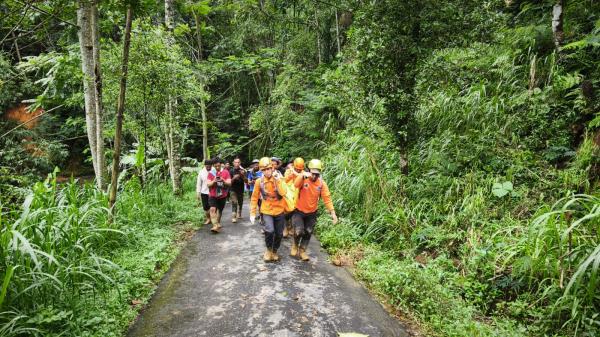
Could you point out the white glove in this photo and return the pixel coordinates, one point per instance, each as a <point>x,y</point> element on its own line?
<point>252,216</point>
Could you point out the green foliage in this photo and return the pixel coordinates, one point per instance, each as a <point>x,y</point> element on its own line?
<point>491,145</point>
<point>557,258</point>
<point>68,270</point>
<point>14,85</point>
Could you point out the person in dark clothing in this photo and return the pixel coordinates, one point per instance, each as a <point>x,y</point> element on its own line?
<point>276,162</point>
<point>238,180</point>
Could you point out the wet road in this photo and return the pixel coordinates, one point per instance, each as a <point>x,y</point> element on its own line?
<point>219,286</point>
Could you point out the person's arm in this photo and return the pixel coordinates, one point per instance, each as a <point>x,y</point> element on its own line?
<point>211,180</point>
<point>199,184</point>
<point>254,198</point>
<point>290,176</point>
<point>227,179</point>
<point>326,196</point>
<point>298,181</point>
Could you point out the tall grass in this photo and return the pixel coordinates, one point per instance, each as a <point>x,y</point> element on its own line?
<point>559,259</point>
<point>56,257</point>
<point>367,183</point>
<point>53,252</point>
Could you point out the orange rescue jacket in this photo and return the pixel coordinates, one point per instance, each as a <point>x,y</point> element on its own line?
<point>310,193</point>
<point>272,204</point>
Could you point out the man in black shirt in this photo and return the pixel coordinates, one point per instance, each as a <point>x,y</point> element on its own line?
<point>238,180</point>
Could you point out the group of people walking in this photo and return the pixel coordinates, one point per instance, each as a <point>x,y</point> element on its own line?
<point>267,183</point>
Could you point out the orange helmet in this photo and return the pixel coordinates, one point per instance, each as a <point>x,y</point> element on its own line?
<point>299,163</point>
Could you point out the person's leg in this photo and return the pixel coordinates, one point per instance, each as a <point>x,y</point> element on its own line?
<point>310,220</point>
<point>287,230</point>
<point>269,236</point>
<point>220,207</point>
<point>214,214</point>
<point>206,208</point>
<point>234,206</point>
<point>260,216</point>
<point>298,223</point>
<point>279,223</point>
<point>240,203</point>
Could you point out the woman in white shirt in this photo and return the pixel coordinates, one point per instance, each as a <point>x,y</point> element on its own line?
<point>202,189</point>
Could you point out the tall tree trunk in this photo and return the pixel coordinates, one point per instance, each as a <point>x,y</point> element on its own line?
<point>98,97</point>
<point>337,31</point>
<point>318,37</point>
<point>86,44</point>
<point>145,126</point>
<point>174,146</point>
<point>205,153</point>
<point>557,23</point>
<point>198,35</point>
<point>16,43</point>
<point>173,143</point>
<point>169,19</point>
<point>120,108</point>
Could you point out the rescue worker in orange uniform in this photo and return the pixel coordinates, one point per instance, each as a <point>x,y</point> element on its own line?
<point>312,188</point>
<point>270,188</point>
<point>291,174</point>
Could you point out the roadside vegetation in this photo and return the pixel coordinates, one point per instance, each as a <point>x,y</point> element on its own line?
<point>460,141</point>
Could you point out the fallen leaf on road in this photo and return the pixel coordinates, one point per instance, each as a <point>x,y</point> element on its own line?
<point>136,302</point>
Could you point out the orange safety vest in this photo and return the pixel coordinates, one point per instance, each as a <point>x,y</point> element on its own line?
<point>271,192</point>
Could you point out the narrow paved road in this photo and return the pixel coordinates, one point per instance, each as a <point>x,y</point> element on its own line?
<point>219,286</point>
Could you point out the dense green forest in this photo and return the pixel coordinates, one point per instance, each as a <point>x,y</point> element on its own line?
<point>460,141</point>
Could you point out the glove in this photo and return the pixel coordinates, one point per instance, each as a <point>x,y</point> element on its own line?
<point>252,218</point>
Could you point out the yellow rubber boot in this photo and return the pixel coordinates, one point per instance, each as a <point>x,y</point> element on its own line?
<point>294,251</point>
<point>274,256</point>
<point>268,256</point>
<point>303,255</point>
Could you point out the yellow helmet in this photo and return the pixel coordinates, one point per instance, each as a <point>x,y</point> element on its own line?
<point>299,163</point>
<point>264,162</point>
<point>315,164</point>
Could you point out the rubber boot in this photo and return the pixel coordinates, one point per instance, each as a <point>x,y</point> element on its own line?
<point>239,214</point>
<point>214,219</point>
<point>268,256</point>
<point>303,255</point>
<point>233,218</point>
<point>285,232</point>
<point>294,251</point>
<point>207,216</point>
<point>274,256</point>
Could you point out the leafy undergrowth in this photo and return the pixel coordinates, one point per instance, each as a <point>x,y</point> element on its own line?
<point>68,271</point>
<point>427,296</point>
